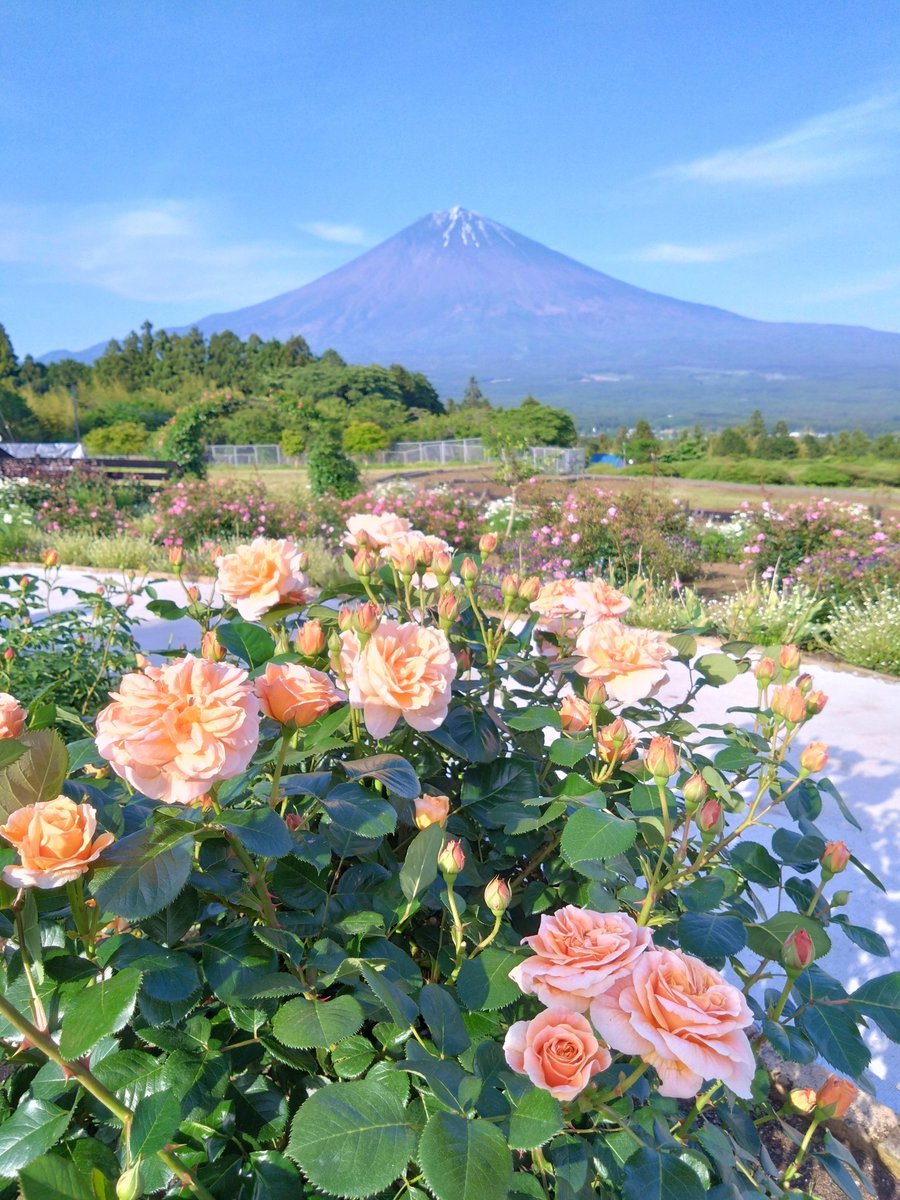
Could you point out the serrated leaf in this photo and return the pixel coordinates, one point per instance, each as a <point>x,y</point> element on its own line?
<point>591,837</point>
<point>710,936</point>
<point>306,1024</point>
<point>155,1120</point>
<point>53,1177</point>
<point>247,642</point>
<point>352,1056</point>
<point>261,830</point>
<point>717,669</point>
<point>394,772</point>
<point>351,1139</point>
<point>10,750</point>
<point>34,1127</point>
<point>37,775</point>
<point>420,866</point>
<point>650,1175</point>
<point>880,999</point>
<point>364,813</point>
<point>567,752</point>
<point>464,1160</point>
<point>756,864</point>
<point>98,1011</point>
<point>834,1033</point>
<point>536,1117</point>
<point>443,1018</point>
<point>484,982</point>
<point>767,938</point>
<point>402,1008</point>
<point>144,872</point>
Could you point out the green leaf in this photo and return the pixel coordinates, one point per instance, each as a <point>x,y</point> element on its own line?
<point>650,1175</point>
<point>797,848</point>
<point>444,1020</point>
<point>144,872</point>
<point>261,830</point>
<point>420,868</point>
<point>880,1000</point>
<point>505,779</point>
<point>10,750</point>
<point>53,1177</point>
<point>166,610</point>
<point>33,1128</point>
<point>390,769</point>
<point>536,1117</point>
<point>366,814</point>
<point>464,1160</point>
<point>768,938</point>
<point>833,1031</point>
<point>469,734</point>
<point>592,837</point>
<point>401,1006</point>
<point>234,960</point>
<point>538,717</point>
<point>155,1120</point>
<point>98,1011</point>
<point>37,775</point>
<point>351,1139</point>
<point>866,939</point>
<point>756,864</point>
<point>305,1024</point>
<point>710,936</point>
<point>247,642</point>
<point>484,982</point>
<point>717,669</point>
<point>352,1056</point>
<point>566,752</point>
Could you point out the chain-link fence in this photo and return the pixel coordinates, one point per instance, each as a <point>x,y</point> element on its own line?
<point>551,459</point>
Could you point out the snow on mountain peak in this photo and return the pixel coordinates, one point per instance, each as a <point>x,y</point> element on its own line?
<point>467,227</point>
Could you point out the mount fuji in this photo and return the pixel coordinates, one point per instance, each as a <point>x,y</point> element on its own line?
<point>457,294</point>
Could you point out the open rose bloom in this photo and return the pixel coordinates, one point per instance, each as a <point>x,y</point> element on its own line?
<point>404,670</point>
<point>374,529</point>
<point>684,1019</point>
<point>174,731</point>
<point>629,662</point>
<point>12,716</point>
<point>55,843</point>
<point>263,574</point>
<point>557,1050</point>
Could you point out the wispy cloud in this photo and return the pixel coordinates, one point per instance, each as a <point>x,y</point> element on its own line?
<point>870,285</point>
<point>837,143</point>
<point>331,231</point>
<point>678,252</point>
<point>160,251</point>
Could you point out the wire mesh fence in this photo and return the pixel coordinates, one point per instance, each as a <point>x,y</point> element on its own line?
<point>551,459</point>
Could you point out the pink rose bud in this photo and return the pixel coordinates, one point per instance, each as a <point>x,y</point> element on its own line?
<point>789,704</point>
<point>835,1096</point>
<point>211,648</point>
<point>448,610</point>
<point>24,582</point>
<point>217,551</point>
<point>345,618</point>
<point>464,660</point>
<point>432,810</point>
<point>595,693</point>
<point>614,742</point>
<point>487,543</point>
<point>294,821</point>
<point>789,660</point>
<point>193,594</point>
<point>176,555</point>
<point>51,558</point>
<point>798,951</point>
<point>509,586</point>
<point>764,672</point>
<point>406,564</point>
<point>711,818</point>
<point>529,589</point>
<point>804,1100</point>
<point>574,714</point>
<point>661,759</point>
<point>695,792</point>
<point>442,565</point>
<point>814,757</point>
<point>363,562</point>
<point>367,618</point>
<point>804,683</point>
<point>497,896</point>
<point>815,702</point>
<point>451,860</point>
<point>469,570</point>
<point>834,858</point>
<point>310,641</point>
<point>9,654</point>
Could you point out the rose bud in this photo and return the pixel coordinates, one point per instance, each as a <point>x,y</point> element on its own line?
<point>442,565</point>
<point>431,810</point>
<point>217,552</point>
<point>529,588</point>
<point>469,570</point>
<point>294,821</point>
<point>176,555</point>
<point>129,1185</point>
<point>193,594</point>
<point>366,618</point>
<point>364,562</point>
<point>211,648</point>
<point>406,564</point>
<point>798,951</point>
<point>695,792</point>
<point>464,660</point>
<point>814,757</point>
<point>310,640</point>
<point>840,899</point>
<point>615,742</point>
<point>595,693</point>
<point>51,558</point>
<point>835,1096</point>
<point>487,543</point>
<point>345,618</point>
<point>497,896</point>
<point>789,704</point>
<point>574,714</point>
<point>424,553</point>
<point>815,702</point>
<point>804,683</point>
<point>661,759</point>
<point>789,660</point>
<point>711,818</point>
<point>451,860</point>
<point>9,654</point>
<point>448,610</point>
<point>764,672</point>
<point>834,858</point>
<point>804,1100</point>
<point>509,586</point>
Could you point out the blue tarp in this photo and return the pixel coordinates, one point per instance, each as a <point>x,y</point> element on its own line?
<point>611,460</point>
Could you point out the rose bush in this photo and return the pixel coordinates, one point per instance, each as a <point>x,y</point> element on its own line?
<point>385,893</point>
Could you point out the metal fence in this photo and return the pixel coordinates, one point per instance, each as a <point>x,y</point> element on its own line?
<point>549,459</point>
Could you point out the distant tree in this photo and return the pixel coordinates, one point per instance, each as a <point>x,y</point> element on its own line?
<point>811,446</point>
<point>364,437</point>
<point>473,397</point>
<point>533,424</point>
<point>32,375</point>
<point>778,444</point>
<point>17,422</point>
<point>67,372</point>
<point>756,426</point>
<point>643,444</point>
<point>330,470</point>
<point>731,443</point>
<point>124,437</point>
<point>9,364</point>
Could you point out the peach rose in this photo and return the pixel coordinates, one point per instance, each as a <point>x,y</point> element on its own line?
<point>684,1019</point>
<point>175,730</point>
<point>55,842</point>
<point>432,810</point>
<point>574,714</point>
<point>835,1096</point>
<point>566,604</point>
<point>296,695</point>
<point>578,955</point>
<point>404,670</point>
<point>262,574</point>
<point>557,1050</point>
<point>12,716</point>
<point>601,600</point>
<point>419,547</point>
<point>628,661</point>
<point>373,529</point>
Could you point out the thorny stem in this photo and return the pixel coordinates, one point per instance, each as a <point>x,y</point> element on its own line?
<point>801,1153</point>
<point>486,941</point>
<point>458,941</point>
<point>623,1085</point>
<point>256,879</point>
<point>699,1104</point>
<point>279,767</point>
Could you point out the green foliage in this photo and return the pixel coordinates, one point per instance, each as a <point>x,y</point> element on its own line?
<point>122,437</point>
<point>330,470</point>
<point>866,632</point>
<point>364,437</point>
<point>184,437</point>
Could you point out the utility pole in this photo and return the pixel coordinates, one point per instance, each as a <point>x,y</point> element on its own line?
<point>73,392</point>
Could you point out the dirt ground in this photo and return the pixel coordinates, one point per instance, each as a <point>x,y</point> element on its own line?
<point>814,1179</point>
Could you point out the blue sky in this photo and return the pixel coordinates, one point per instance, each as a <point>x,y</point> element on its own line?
<point>168,160</point>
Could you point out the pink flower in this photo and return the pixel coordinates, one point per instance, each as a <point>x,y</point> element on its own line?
<point>684,1019</point>
<point>12,716</point>
<point>55,842</point>
<point>262,574</point>
<point>375,530</point>
<point>175,730</point>
<point>629,661</point>
<point>578,955</point>
<point>403,670</point>
<point>296,695</point>
<point>557,1050</point>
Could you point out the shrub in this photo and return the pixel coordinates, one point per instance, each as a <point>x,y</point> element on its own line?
<point>122,437</point>
<point>364,437</point>
<point>763,613</point>
<point>822,474</point>
<point>330,470</point>
<point>866,632</point>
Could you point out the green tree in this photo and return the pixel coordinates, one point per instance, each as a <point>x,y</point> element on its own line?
<point>9,364</point>
<point>331,472</point>
<point>124,437</point>
<point>364,437</point>
<point>473,397</point>
<point>731,443</point>
<point>643,444</point>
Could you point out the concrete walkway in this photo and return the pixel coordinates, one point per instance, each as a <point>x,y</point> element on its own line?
<point>861,725</point>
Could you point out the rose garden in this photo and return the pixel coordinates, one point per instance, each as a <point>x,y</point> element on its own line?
<point>412,879</point>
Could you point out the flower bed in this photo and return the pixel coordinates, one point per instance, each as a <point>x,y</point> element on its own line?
<point>411,891</point>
